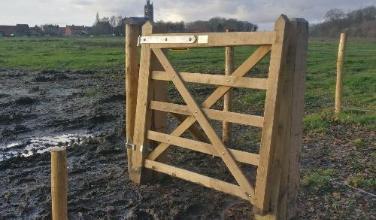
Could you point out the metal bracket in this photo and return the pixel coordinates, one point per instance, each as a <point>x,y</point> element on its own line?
<point>130,146</point>
<point>171,39</point>
<point>203,39</point>
<point>178,39</point>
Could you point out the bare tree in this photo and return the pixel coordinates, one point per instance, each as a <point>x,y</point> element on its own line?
<point>334,14</point>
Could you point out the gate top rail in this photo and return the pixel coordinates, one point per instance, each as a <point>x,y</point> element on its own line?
<point>191,40</point>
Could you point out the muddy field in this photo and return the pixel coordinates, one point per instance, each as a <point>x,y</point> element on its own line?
<point>84,111</point>
<point>38,109</point>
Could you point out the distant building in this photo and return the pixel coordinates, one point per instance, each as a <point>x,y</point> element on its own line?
<point>36,31</point>
<point>72,30</point>
<point>11,31</point>
<point>52,30</point>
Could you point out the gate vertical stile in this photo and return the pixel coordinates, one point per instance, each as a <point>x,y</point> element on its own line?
<point>277,175</point>
<point>132,60</point>
<point>268,172</point>
<point>143,114</point>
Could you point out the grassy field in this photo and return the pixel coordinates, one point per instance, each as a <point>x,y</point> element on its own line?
<point>107,54</point>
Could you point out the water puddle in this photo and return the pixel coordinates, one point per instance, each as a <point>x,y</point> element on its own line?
<point>39,145</point>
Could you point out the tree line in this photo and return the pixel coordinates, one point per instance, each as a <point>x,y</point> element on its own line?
<point>357,23</point>
<point>115,26</point>
<point>216,24</point>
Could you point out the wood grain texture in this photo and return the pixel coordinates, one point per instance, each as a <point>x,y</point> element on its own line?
<point>205,125</point>
<point>298,55</point>
<point>143,114</point>
<point>339,82</point>
<point>242,70</point>
<point>269,170</point>
<point>59,184</point>
<point>233,117</point>
<point>229,68</point>
<point>213,79</point>
<point>206,181</point>
<point>240,156</point>
<point>131,83</point>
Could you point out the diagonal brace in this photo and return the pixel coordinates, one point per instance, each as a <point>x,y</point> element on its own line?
<point>206,126</point>
<point>241,71</point>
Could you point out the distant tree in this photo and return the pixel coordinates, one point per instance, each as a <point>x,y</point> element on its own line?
<point>105,19</point>
<point>219,25</point>
<point>115,21</point>
<point>359,23</point>
<point>334,14</point>
<point>119,29</point>
<point>169,27</point>
<point>102,26</point>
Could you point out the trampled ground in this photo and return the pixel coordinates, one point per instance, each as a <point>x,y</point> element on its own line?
<point>53,86</point>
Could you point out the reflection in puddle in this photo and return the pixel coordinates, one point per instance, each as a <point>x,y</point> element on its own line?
<point>39,145</point>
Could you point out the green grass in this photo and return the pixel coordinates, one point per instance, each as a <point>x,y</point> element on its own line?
<point>107,54</point>
<point>62,53</point>
<point>361,181</point>
<point>318,179</point>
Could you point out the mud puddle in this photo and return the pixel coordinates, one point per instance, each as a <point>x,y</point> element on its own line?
<point>40,145</point>
<point>40,109</point>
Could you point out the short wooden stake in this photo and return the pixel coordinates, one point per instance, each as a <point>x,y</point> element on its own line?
<point>59,184</point>
<point>339,84</point>
<point>229,68</point>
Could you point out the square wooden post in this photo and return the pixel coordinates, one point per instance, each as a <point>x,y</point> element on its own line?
<point>143,115</point>
<point>279,163</point>
<point>132,31</point>
<point>229,68</point>
<point>145,119</point>
<point>296,62</point>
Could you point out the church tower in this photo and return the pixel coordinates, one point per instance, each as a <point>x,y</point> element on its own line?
<point>149,11</point>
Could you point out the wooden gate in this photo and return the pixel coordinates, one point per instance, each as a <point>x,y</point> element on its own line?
<point>277,177</point>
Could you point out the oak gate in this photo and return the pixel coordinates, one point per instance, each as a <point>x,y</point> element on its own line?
<point>273,193</point>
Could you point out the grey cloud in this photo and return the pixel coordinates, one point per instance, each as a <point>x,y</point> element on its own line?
<point>83,2</point>
<point>262,12</point>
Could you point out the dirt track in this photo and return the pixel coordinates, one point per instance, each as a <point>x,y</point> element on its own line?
<point>53,103</point>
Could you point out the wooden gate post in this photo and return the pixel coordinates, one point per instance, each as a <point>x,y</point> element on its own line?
<point>132,31</point>
<point>296,62</point>
<point>156,121</point>
<point>59,184</point>
<point>339,84</point>
<point>276,193</point>
<point>229,68</point>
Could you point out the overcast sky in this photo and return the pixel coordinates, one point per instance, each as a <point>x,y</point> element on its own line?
<point>82,12</point>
